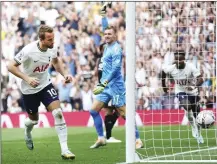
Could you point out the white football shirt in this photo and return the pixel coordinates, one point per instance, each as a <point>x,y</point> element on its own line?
<point>35,63</point>
<point>184,78</point>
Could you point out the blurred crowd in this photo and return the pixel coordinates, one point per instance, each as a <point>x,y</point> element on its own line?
<point>77,28</point>
<point>161,28</point>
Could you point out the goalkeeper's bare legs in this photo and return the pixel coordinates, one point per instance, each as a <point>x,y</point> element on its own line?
<point>96,108</point>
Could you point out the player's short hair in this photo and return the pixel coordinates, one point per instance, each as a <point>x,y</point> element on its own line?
<point>42,30</point>
<point>111,27</point>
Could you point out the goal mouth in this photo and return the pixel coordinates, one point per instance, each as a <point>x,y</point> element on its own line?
<point>175,142</point>
<point>168,97</point>
<point>182,156</point>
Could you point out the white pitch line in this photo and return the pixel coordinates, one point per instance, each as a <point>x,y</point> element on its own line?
<point>12,142</point>
<point>180,161</point>
<point>186,152</point>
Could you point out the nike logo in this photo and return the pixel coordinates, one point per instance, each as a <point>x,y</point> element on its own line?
<point>36,61</point>
<point>61,128</point>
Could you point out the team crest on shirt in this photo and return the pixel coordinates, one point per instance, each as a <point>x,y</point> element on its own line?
<point>19,55</point>
<point>116,49</point>
<point>118,61</point>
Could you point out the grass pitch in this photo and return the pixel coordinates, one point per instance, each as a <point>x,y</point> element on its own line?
<point>158,141</point>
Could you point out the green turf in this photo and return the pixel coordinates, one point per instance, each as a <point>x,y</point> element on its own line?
<point>47,149</point>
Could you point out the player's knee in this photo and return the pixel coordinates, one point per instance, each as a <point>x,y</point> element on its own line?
<point>123,116</point>
<point>108,111</point>
<point>28,122</point>
<point>122,112</point>
<point>35,122</point>
<point>93,113</point>
<point>57,113</point>
<point>189,115</point>
<point>185,104</point>
<point>196,109</point>
<point>33,116</point>
<point>95,108</point>
<point>97,105</point>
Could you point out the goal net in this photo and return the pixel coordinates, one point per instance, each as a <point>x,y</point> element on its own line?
<point>162,28</point>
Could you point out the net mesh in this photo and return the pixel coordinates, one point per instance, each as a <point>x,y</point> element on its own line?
<point>161,29</point>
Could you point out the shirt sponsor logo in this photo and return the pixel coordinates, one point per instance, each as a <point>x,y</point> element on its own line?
<point>41,68</point>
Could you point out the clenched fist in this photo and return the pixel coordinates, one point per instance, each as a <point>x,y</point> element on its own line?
<point>68,79</point>
<point>32,81</point>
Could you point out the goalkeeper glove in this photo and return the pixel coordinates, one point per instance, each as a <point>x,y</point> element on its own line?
<point>99,88</point>
<point>103,8</point>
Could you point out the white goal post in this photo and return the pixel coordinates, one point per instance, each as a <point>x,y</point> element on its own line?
<point>130,81</point>
<point>186,151</point>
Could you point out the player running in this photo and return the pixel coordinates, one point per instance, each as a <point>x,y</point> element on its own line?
<point>36,85</point>
<point>187,80</point>
<point>111,86</point>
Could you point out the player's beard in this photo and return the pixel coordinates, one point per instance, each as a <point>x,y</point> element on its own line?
<point>50,46</point>
<point>181,66</point>
<point>108,41</point>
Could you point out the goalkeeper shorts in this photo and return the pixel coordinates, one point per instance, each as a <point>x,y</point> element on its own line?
<point>118,100</point>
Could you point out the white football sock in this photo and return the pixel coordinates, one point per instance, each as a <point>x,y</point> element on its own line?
<point>61,129</point>
<point>190,116</point>
<point>192,121</point>
<point>29,124</point>
<point>199,129</point>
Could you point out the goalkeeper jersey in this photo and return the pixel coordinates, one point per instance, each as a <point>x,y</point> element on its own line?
<point>112,63</point>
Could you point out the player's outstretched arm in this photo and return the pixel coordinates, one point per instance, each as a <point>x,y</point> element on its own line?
<point>58,65</point>
<point>104,7</point>
<point>103,14</point>
<point>13,68</point>
<point>165,88</point>
<point>104,23</point>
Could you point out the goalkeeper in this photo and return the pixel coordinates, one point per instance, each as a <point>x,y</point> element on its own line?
<point>111,114</point>
<point>111,86</point>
